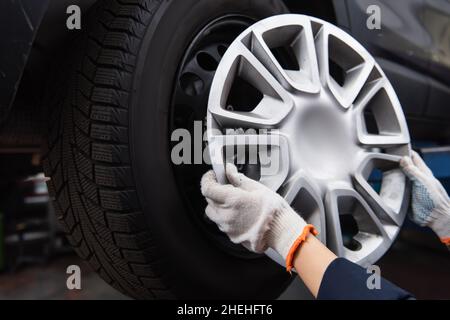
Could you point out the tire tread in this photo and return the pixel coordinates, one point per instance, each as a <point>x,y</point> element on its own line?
<point>88,152</point>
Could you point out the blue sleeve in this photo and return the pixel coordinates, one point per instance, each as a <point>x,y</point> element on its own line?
<point>344,280</point>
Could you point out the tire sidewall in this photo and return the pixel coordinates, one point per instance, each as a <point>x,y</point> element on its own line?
<point>191,266</point>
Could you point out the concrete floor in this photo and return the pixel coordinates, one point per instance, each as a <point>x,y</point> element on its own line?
<point>49,282</point>
<point>417,262</point>
<point>420,264</point>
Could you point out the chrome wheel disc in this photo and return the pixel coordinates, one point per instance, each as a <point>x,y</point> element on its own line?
<point>332,121</point>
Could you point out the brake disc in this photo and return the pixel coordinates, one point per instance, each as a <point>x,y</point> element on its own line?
<point>306,95</point>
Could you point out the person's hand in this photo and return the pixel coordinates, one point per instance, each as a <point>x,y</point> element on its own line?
<point>251,214</point>
<point>430,201</point>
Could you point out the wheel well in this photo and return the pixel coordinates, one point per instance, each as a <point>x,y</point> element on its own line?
<point>24,128</point>
<point>26,122</point>
<point>323,9</point>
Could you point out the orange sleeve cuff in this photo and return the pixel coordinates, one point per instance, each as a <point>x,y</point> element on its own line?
<point>446,241</point>
<point>295,246</point>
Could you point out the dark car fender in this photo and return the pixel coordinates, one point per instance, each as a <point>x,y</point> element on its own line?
<point>19,22</point>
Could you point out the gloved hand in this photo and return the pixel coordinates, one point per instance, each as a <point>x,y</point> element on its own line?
<point>253,215</point>
<point>430,201</point>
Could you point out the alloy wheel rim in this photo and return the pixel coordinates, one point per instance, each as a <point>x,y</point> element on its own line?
<point>189,104</point>
<point>331,118</point>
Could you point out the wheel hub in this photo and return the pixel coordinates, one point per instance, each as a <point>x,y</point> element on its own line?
<point>333,124</point>
<point>336,144</point>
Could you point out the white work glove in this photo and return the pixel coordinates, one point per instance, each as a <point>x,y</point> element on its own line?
<point>251,214</point>
<point>430,201</point>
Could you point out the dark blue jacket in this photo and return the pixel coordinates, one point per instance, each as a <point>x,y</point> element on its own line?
<point>344,280</point>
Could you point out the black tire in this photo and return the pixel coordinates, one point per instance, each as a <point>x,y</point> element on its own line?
<point>109,160</point>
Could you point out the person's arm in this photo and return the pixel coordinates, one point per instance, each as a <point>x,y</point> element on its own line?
<point>311,262</point>
<point>331,278</point>
<point>258,218</point>
<point>344,280</point>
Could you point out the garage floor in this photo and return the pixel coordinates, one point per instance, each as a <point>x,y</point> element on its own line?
<point>417,263</point>
<point>49,282</point>
<point>420,264</point>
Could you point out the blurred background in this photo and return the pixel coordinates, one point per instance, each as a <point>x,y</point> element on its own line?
<point>34,254</point>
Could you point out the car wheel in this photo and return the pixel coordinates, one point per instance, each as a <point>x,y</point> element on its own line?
<point>319,107</point>
<point>139,70</point>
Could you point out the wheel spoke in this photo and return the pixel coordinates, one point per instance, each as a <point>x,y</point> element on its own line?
<point>343,70</point>
<point>390,202</point>
<point>293,43</point>
<point>269,152</point>
<point>379,118</point>
<point>268,111</point>
<point>304,196</point>
<point>364,245</point>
